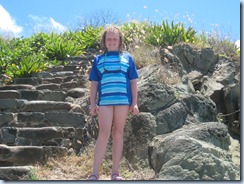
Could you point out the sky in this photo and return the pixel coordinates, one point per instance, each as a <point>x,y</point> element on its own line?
<point>22,18</point>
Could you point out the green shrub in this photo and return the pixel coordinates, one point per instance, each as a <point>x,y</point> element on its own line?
<point>39,41</point>
<point>5,53</point>
<point>60,47</point>
<point>89,37</point>
<point>27,66</point>
<point>166,34</point>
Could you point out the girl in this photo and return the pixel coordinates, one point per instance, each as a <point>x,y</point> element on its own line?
<point>113,93</point>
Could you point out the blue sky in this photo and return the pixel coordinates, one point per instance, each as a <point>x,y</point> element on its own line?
<point>25,17</point>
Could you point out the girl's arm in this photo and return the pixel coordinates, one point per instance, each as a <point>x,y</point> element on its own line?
<point>134,107</point>
<point>93,96</point>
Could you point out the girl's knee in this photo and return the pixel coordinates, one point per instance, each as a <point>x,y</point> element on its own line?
<point>104,135</point>
<point>117,134</point>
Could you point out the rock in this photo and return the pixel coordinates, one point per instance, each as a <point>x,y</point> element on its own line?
<point>27,155</point>
<point>194,152</point>
<point>232,107</point>
<point>32,81</point>
<point>15,172</point>
<point>203,60</point>
<point>154,95</point>
<point>77,92</point>
<point>138,134</point>
<point>171,118</point>
<point>9,94</point>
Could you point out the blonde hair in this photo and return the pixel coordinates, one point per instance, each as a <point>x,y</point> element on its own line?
<point>103,38</point>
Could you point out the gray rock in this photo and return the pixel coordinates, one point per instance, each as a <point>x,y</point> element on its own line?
<point>195,152</point>
<point>77,92</point>
<point>14,172</point>
<point>139,132</point>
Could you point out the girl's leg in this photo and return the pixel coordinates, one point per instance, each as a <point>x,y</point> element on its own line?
<point>105,118</point>
<point>119,120</point>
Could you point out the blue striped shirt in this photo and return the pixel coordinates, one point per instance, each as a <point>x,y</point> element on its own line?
<point>113,72</point>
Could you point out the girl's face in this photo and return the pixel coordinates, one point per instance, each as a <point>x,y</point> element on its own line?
<point>112,41</point>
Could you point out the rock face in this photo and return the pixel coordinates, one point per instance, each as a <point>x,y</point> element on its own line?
<point>189,143</point>
<point>178,133</point>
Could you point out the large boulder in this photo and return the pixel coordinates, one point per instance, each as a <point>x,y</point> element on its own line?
<point>153,95</point>
<point>194,152</point>
<point>139,132</point>
<point>203,60</point>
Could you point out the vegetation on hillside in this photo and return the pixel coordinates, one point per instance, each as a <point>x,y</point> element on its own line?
<point>22,57</point>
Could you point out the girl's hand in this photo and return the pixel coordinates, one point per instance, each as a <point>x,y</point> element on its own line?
<point>94,110</point>
<point>134,109</point>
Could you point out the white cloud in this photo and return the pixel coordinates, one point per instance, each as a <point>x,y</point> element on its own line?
<point>57,26</point>
<point>8,24</point>
<point>237,43</point>
<point>46,24</point>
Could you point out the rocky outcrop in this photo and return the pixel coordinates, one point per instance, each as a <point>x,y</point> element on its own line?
<point>182,137</point>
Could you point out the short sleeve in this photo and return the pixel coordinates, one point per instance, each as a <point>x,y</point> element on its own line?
<point>133,73</point>
<point>94,71</point>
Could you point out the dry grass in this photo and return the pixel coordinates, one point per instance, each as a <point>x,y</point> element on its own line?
<point>78,167</point>
<point>144,55</point>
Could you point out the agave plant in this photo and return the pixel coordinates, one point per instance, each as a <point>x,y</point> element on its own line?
<point>27,66</point>
<point>169,34</point>
<point>60,47</point>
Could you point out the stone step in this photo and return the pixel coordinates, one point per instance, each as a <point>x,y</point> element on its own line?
<point>68,137</point>
<point>20,105</point>
<point>63,85</point>
<point>48,74</point>
<point>82,60</point>
<point>28,155</point>
<point>69,67</point>
<point>59,80</point>
<point>67,81</point>
<point>42,119</point>
<point>17,87</point>
<point>47,95</point>
<point>14,172</point>
<point>60,83</point>
<point>55,80</point>
<point>34,81</point>
<point>9,94</point>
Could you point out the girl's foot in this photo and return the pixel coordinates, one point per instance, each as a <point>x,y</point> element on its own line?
<point>115,176</point>
<point>93,177</point>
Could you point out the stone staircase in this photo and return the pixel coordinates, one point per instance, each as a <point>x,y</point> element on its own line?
<point>40,117</point>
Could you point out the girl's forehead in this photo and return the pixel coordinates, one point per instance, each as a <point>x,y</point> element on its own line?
<point>112,34</point>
